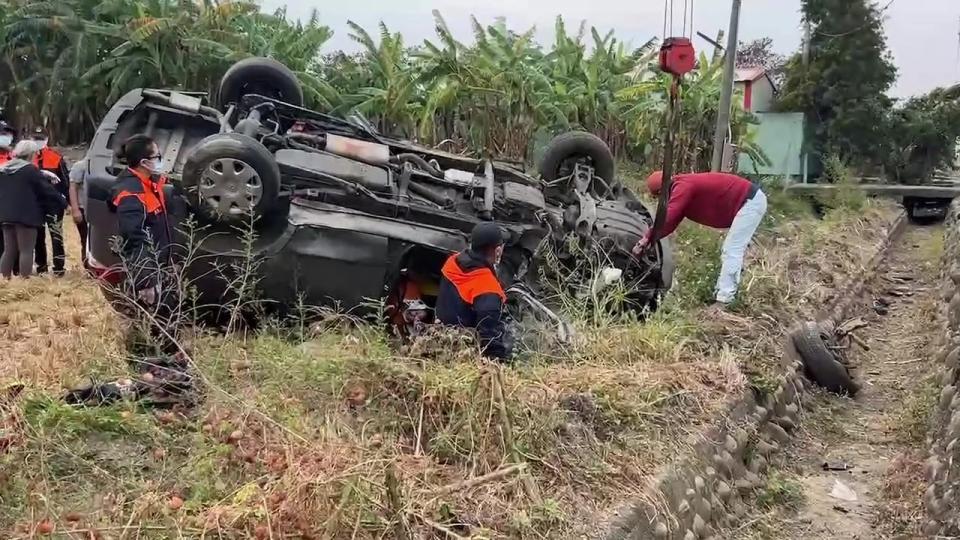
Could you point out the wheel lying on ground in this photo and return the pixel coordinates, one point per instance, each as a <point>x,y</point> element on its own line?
<point>230,177</point>
<point>566,150</point>
<point>820,362</point>
<point>264,76</point>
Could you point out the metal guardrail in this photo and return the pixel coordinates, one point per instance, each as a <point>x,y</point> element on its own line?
<point>939,190</point>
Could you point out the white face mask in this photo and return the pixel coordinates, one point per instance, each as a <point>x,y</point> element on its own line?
<point>154,166</point>
<point>42,143</point>
<point>6,141</point>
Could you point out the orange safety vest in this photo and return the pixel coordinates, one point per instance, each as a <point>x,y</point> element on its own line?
<point>4,157</point>
<point>48,160</point>
<point>474,283</point>
<point>151,198</point>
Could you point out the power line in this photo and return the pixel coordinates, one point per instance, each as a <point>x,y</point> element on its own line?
<point>859,28</point>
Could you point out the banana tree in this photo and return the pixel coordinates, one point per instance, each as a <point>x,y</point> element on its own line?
<point>390,98</point>
<point>70,60</point>
<point>644,106</point>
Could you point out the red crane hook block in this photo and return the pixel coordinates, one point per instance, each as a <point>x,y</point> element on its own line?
<point>677,56</point>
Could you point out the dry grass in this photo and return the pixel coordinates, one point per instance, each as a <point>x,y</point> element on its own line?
<point>338,436</point>
<point>795,269</point>
<point>902,510</point>
<point>805,264</point>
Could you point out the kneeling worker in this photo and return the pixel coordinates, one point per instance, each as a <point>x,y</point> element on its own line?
<point>720,201</point>
<point>470,293</point>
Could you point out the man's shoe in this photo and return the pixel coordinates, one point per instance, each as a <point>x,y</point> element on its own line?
<point>59,273</point>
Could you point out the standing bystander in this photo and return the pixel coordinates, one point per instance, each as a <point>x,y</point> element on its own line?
<point>146,238</point>
<point>25,198</point>
<point>51,161</point>
<point>78,201</point>
<point>7,137</point>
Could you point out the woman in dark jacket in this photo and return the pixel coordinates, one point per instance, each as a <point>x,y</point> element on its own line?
<point>142,219</point>
<point>146,237</point>
<point>26,198</point>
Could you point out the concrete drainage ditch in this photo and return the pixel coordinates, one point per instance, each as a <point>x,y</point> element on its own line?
<point>942,469</point>
<point>704,491</point>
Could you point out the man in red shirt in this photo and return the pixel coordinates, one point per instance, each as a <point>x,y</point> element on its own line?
<point>718,200</point>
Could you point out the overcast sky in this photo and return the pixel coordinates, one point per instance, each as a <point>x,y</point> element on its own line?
<point>922,34</point>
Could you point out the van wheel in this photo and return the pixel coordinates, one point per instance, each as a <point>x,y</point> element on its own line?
<point>565,151</point>
<point>264,76</point>
<point>231,178</point>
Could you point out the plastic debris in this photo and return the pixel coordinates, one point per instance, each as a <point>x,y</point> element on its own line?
<point>843,492</point>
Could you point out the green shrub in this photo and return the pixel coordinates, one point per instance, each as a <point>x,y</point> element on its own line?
<point>846,196</point>
<point>780,491</point>
<point>697,253</point>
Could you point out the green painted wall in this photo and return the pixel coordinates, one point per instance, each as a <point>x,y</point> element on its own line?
<point>780,135</point>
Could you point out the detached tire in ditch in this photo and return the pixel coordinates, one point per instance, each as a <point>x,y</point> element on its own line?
<point>821,363</point>
<point>564,151</point>
<point>257,75</point>
<point>230,178</point>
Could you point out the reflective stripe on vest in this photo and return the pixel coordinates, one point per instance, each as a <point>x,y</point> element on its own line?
<point>152,196</point>
<point>474,283</point>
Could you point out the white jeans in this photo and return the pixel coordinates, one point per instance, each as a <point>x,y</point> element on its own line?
<point>735,246</point>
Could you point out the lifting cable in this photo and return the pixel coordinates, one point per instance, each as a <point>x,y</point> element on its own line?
<point>674,111</point>
<point>666,7</point>
<point>671,16</point>
<point>685,17</point>
<point>692,11</point>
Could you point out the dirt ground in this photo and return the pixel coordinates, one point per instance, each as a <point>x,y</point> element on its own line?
<point>879,436</point>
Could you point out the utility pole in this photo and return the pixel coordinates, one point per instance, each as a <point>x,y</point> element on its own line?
<point>805,155</point>
<point>726,96</point>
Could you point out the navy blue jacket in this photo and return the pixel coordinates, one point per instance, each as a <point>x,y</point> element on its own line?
<point>144,227</point>
<point>471,297</point>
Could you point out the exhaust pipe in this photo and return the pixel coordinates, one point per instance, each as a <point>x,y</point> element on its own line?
<point>367,152</point>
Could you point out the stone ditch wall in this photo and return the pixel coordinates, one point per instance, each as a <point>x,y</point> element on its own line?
<point>703,491</point>
<point>942,469</point>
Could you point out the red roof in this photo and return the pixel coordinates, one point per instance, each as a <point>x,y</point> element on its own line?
<point>749,74</point>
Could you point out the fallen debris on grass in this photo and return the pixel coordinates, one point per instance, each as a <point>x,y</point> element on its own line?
<point>160,382</point>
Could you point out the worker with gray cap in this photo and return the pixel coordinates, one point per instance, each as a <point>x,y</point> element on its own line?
<point>471,295</point>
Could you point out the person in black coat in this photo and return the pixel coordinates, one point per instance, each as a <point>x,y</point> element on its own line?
<point>51,161</point>
<point>26,199</point>
<point>8,136</point>
<point>471,295</point>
